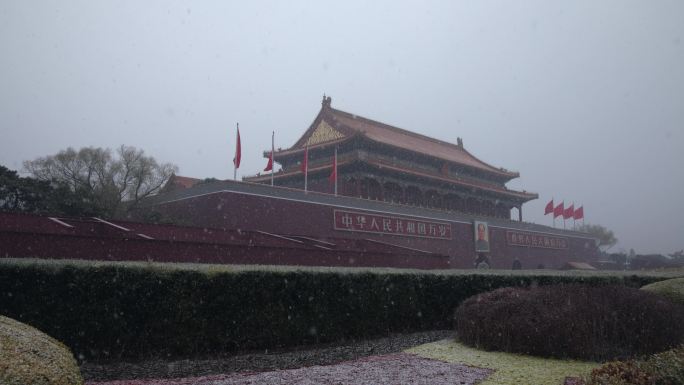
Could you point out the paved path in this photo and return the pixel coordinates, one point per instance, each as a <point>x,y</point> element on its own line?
<point>389,369</point>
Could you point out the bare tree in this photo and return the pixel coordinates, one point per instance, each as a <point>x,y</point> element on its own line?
<point>606,237</point>
<point>117,183</point>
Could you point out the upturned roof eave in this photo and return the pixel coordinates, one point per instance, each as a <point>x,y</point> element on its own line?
<point>300,150</point>
<point>523,195</point>
<point>486,166</point>
<point>520,194</point>
<point>327,113</point>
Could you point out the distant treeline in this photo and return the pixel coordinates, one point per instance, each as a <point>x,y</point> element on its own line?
<point>623,261</point>
<point>30,195</point>
<point>85,182</point>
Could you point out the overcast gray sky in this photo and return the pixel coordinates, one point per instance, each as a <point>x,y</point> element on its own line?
<point>584,98</point>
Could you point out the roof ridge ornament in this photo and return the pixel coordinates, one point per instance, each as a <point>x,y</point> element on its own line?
<point>459,142</point>
<point>327,100</point>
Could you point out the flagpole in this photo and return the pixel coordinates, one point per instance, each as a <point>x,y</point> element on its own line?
<point>272,155</point>
<point>335,170</point>
<point>237,138</point>
<point>574,227</point>
<point>306,168</point>
<point>564,210</point>
<point>563,214</point>
<point>553,214</point>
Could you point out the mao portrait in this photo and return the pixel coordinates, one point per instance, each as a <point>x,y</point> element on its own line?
<point>481,237</point>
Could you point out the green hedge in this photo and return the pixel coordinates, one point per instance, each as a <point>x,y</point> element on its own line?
<point>124,310</point>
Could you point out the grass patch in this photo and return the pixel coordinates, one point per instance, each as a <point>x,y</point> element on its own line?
<point>510,369</point>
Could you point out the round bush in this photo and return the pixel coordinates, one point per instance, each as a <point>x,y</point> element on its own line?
<point>570,321</point>
<point>672,289</point>
<point>29,356</point>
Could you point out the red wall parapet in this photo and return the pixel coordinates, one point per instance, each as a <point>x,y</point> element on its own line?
<point>250,207</point>
<point>33,236</point>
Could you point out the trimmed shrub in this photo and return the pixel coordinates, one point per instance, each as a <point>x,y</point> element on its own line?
<point>28,356</point>
<point>628,372</point>
<point>140,310</point>
<point>570,321</point>
<point>666,368</point>
<point>672,289</point>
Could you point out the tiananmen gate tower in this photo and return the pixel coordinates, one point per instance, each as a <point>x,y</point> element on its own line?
<point>403,200</point>
<point>377,161</point>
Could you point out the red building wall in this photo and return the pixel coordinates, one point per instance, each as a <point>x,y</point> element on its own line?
<point>33,236</point>
<point>231,210</point>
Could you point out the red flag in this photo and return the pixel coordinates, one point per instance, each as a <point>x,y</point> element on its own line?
<point>238,152</point>
<point>569,212</point>
<point>269,166</point>
<point>333,174</point>
<point>549,207</point>
<point>558,211</point>
<point>305,163</point>
<point>579,213</point>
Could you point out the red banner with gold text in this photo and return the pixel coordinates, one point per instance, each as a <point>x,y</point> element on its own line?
<point>383,224</point>
<point>515,238</point>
